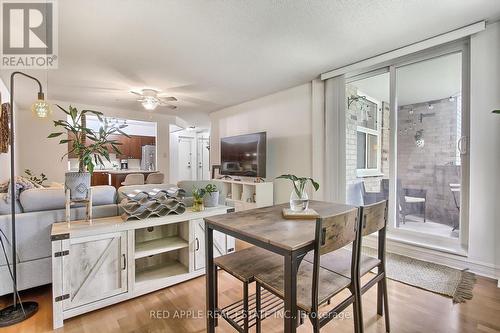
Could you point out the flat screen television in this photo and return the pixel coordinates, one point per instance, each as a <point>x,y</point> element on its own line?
<point>244,155</point>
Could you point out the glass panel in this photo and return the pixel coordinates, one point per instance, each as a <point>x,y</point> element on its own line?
<point>367,113</point>
<point>361,158</point>
<point>428,163</point>
<point>367,139</point>
<point>372,151</point>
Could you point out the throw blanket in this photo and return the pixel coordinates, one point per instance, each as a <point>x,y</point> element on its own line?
<point>22,184</point>
<point>4,128</point>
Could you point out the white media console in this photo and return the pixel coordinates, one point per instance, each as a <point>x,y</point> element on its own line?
<point>108,261</point>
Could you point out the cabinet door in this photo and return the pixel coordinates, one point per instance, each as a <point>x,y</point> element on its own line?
<point>220,244</point>
<point>94,269</point>
<point>148,140</point>
<point>124,147</point>
<point>135,147</point>
<point>100,178</point>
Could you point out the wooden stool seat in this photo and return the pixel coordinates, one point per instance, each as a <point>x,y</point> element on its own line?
<point>340,262</point>
<point>247,263</point>
<point>330,284</point>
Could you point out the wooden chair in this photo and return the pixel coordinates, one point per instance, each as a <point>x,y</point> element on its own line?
<point>315,284</point>
<point>134,179</point>
<point>373,219</point>
<point>155,178</point>
<point>244,265</point>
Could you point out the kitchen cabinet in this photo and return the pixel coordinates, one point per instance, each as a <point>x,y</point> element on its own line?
<point>124,147</point>
<point>135,147</point>
<point>100,178</point>
<point>130,147</point>
<point>148,141</point>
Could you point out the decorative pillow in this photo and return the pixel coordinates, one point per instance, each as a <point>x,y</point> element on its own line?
<point>22,184</point>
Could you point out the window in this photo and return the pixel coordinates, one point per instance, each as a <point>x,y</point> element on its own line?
<point>368,136</point>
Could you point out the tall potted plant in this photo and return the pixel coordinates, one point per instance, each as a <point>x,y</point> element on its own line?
<point>299,200</point>
<point>87,145</point>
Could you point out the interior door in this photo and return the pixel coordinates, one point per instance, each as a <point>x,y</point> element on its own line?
<point>220,244</point>
<point>203,170</point>
<point>95,268</point>
<point>185,158</point>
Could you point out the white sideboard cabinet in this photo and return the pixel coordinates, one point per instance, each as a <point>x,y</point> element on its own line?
<point>108,261</point>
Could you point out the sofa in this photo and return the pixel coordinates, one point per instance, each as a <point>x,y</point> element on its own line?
<point>36,210</point>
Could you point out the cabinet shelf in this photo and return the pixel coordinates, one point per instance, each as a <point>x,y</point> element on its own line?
<point>161,271</point>
<point>161,245</point>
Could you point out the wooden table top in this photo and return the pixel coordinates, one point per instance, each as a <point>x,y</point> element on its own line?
<point>268,225</point>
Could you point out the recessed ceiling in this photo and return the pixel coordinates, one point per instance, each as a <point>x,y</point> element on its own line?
<point>213,54</point>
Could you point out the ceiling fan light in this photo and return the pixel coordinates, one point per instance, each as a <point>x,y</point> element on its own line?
<point>150,103</point>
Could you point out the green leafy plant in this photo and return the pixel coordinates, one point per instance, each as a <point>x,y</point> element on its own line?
<point>35,179</point>
<point>198,193</point>
<point>211,188</point>
<point>89,146</point>
<point>299,183</point>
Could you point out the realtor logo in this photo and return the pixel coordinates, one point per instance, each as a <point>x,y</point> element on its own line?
<point>29,34</point>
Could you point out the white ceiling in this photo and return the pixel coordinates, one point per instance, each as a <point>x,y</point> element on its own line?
<point>419,82</point>
<point>212,54</point>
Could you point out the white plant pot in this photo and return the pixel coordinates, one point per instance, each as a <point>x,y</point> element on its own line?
<point>211,199</point>
<point>78,183</point>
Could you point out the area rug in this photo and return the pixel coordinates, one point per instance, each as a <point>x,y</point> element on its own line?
<point>430,276</point>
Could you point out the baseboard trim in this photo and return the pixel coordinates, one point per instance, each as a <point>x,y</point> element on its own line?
<point>443,258</point>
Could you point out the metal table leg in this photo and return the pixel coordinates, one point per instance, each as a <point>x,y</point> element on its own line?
<point>210,278</point>
<point>290,277</point>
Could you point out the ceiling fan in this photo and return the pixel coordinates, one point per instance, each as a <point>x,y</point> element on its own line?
<point>151,99</point>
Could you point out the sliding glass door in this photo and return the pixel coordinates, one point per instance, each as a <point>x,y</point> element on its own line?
<point>429,153</point>
<point>406,141</point>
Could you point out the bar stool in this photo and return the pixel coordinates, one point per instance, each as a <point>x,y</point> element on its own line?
<point>244,265</point>
<point>134,179</point>
<point>374,219</point>
<point>315,284</point>
<point>155,178</point>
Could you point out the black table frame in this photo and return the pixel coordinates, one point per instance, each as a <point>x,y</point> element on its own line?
<point>291,260</point>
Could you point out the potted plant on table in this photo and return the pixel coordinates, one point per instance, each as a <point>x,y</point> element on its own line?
<point>299,200</point>
<point>87,145</point>
<point>211,198</point>
<point>198,194</point>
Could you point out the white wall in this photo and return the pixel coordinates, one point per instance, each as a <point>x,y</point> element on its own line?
<point>286,117</point>
<point>40,154</point>
<point>484,224</point>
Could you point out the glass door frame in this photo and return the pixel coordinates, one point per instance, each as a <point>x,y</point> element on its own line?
<point>445,244</point>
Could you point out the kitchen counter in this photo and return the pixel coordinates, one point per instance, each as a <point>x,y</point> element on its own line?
<point>115,177</point>
<point>127,171</point>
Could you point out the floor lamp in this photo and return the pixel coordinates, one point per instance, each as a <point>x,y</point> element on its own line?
<point>19,310</point>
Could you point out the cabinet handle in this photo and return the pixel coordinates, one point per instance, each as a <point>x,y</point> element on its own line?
<point>124,267</point>
<point>197,244</point>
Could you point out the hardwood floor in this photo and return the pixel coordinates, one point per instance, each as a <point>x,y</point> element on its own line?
<point>411,310</point>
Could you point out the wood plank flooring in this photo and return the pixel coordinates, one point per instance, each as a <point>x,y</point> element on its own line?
<point>411,309</point>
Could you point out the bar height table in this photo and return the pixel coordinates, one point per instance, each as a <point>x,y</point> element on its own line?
<point>266,228</point>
